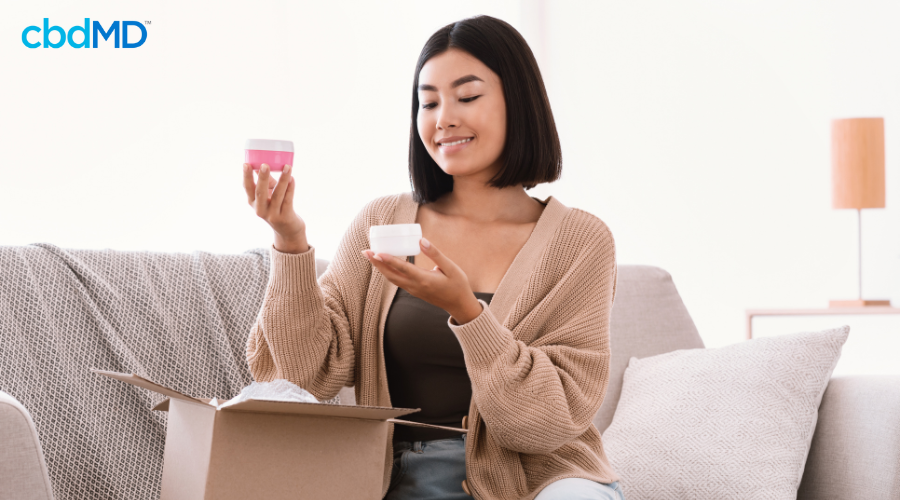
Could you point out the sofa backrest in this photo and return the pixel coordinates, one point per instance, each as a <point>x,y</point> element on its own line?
<point>648,318</point>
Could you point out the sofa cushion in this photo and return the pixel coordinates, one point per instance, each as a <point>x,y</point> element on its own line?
<point>730,422</point>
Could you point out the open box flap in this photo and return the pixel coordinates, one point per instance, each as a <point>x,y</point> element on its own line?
<point>297,408</point>
<point>427,426</point>
<point>369,412</point>
<point>286,407</point>
<point>131,378</point>
<point>164,404</point>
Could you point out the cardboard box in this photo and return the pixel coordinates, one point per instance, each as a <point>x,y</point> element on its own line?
<point>270,449</point>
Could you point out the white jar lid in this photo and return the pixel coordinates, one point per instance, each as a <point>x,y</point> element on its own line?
<point>388,230</point>
<point>269,145</point>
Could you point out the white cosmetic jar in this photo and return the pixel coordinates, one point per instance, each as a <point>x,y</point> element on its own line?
<point>399,240</point>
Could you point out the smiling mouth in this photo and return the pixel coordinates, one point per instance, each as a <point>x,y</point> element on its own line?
<point>454,143</point>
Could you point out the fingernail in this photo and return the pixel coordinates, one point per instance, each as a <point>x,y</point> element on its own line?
<point>378,258</point>
<point>426,243</point>
<point>264,168</point>
<point>288,168</point>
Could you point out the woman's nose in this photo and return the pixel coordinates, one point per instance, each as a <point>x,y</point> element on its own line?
<point>446,119</point>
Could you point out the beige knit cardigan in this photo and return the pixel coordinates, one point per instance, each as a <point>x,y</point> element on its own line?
<point>537,355</point>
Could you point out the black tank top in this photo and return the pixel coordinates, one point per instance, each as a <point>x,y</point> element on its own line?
<point>425,367</point>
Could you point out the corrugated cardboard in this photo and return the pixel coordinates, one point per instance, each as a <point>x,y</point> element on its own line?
<point>270,449</point>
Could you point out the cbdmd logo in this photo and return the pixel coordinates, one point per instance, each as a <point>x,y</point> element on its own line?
<point>90,35</point>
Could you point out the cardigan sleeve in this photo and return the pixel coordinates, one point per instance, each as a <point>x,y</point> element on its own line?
<point>537,397</point>
<point>306,329</point>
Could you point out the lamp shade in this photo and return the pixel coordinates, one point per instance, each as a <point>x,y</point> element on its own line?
<point>857,163</point>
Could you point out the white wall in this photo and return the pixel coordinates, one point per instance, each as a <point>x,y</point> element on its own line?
<point>701,134</point>
<point>698,130</point>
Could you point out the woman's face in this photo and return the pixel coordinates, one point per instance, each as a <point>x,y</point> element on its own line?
<point>461,99</point>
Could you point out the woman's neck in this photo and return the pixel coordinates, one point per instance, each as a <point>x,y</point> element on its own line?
<point>477,201</point>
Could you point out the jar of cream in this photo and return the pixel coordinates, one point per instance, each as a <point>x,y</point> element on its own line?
<point>275,154</point>
<point>399,240</point>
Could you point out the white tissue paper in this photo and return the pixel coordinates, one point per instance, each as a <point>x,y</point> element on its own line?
<point>276,390</point>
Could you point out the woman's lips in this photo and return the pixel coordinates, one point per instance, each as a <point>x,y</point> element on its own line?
<point>453,149</point>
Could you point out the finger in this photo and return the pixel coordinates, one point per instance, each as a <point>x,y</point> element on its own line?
<point>272,183</point>
<point>289,195</point>
<point>249,185</point>
<point>384,260</point>
<point>390,273</point>
<point>436,256</point>
<point>399,265</point>
<point>280,187</point>
<point>262,197</point>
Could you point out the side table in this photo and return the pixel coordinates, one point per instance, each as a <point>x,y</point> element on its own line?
<point>816,312</point>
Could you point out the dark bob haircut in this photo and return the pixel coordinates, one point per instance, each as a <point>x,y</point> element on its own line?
<point>532,154</point>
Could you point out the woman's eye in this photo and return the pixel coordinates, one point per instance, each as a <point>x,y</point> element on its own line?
<point>469,99</point>
<point>429,105</point>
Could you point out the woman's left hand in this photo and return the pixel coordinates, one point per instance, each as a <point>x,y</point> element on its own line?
<point>446,286</point>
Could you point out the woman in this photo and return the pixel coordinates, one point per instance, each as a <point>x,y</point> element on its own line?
<point>500,324</point>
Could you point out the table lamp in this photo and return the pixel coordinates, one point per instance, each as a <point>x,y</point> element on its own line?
<point>857,178</point>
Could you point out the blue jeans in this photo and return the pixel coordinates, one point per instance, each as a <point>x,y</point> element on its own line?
<point>435,470</point>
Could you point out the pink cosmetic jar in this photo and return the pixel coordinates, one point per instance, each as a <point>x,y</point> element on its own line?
<point>275,154</point>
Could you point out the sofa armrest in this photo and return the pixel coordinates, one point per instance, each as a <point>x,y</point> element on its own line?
<point>855,450</point>
<point>23,471</point>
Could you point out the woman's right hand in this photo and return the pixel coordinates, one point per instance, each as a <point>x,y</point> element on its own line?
<point>274,202</point>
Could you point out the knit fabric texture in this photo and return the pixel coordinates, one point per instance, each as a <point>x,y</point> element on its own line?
<point>180,319</point>
<point>537,355</point>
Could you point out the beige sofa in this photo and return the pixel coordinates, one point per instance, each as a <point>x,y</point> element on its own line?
<point>855,451</point>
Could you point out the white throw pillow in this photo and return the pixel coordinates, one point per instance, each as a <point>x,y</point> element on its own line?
<point>735,422</point>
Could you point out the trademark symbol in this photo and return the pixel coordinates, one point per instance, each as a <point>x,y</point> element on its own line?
<point>146,22</point>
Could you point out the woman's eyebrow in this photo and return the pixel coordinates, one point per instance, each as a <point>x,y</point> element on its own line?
<point>456,83</point>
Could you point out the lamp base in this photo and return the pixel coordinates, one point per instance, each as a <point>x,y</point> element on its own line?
<point>858,303</point>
